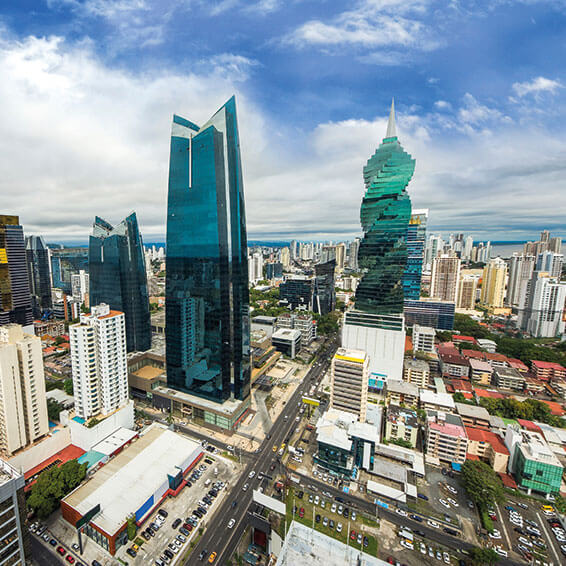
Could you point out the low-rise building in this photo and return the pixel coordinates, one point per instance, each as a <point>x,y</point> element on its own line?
<point>473,415</point>
<point>432,401</point>
<point>402,393</point>
<point>532,461</point>
<point>488,345</point>
<point>416,372</point>
<point>480,371</point>
<point>497,360</point>
<point>401,424</point>
<point>446,439</point>
<point>546,371</point>
<point>303,322</point>
<point>423,338</point>
<point>287,341</point>
<point>508,378</point>
<point>488,447</point>
<point>453,365</point>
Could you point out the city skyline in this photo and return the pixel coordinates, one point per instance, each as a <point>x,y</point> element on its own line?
<point>504,112</point>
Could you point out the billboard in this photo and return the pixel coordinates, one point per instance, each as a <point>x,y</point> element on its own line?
<point>311,401</point>
<point>86,518</point>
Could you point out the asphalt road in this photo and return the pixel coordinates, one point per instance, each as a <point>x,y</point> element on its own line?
<point>217,537</point>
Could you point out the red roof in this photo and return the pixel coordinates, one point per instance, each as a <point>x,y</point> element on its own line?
<point>453,358</point>
<point>496,357</point>
<point>480,435</point>
<point>472,456</point>
<point>487,393</point>
<point>555,408</point>
<point>517,364</point>
<point>408,344</point>
<point>547,365</point>
<point>460,338</point>
<point>508,480</point>
<point>529,425</point>
<point>467,395</point>
<point>461,385</point>
<point>474,354</point>
<point>68,453</point>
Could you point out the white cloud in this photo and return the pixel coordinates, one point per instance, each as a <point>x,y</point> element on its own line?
<point>442,105</point>
<point>370,24</point>
<point>536,86</point>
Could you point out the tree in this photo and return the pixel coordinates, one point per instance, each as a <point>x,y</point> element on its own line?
<point>68,386</point>
<point>132,527</point>
<point>483,556</point>
<point>483,485</point>
<point>53,410</point>
<point>53,484</point>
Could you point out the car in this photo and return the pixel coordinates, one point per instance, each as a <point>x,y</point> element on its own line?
<point>501,551</point>
<point>422,548</point>
<point>70,559</point>
<point>184,531</point>
<point>422,496</point>
<point>522,505</point>
<point>176,522</point>
<point>366,541</point>
<point>444,503</point>
<point>353,515</point>
<point>234,503</point>
<point>311,498</point>
<point>163,513</point>
<point>323,504</point>
<point>401,512</point>
<point>495,534</point>
<point>302,512</point>
<point>438,555</point>
<point>446,557</point>
<point>453,502</point>
<point>145,535</point>
<point>470,504</point>
<point>96,563</point>
<point>520,531</point>
<point>430,552</point>
<point>61,550</point>
<point>433,524</point>
<point>53,542</point>
<point>450,531</point>
<point>408,545</point>
<point>300,494</point>
<point>212,557</point>
<point>340,510</point>
<point>75,546</point>
<point>333,508</point>
<point>181,538</point>
<point>317,519</point>
<point>251,474</point>
<point>202,554</point>
<point>353,535</point>
<point>525,542</point>
<point>131,552</point>
<point>331,524</point>
<point>416,518</point>
<point>231,523</point>
<point>359,539</point>
<point>346,513</point>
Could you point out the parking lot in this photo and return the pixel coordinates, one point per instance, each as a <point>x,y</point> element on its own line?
<point>525,528</point>
<point>58,533</point>
<point>182,508</point>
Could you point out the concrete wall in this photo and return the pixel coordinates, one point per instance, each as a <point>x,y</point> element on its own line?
<point>34,455</point>
<point>86,438</point>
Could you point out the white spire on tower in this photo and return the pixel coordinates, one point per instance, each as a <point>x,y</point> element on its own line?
<point>391,129</point>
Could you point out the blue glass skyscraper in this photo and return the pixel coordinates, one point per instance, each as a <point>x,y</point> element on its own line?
<point>207,304</point>
<point>117,277</point>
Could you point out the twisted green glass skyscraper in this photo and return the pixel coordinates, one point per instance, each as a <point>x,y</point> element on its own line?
<point>385,215</point>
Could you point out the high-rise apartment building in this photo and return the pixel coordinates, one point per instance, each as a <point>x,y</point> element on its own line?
<point>117,277</point>
<point>255,267</point>
<point>15,548</point>
<point>340,256</point>
<point>494,279</point>
<point>23,407</point>
<point>467,291</point>
<point>423,338</point>
<point>64,263</point>
<point>416,241</point>
<point>207,302</point>
<point>468,247</point>
<point>521,269</point>
<point>349,382</point>
<point>296,291</point>
<point>546,243</point>
<point>445,276</point>
<point>377,324</point>
<point>39,275</point>
<point>353,254</point>
<point>285,258</point>
<point>80,287</point>
<point>435,246</point>
<point>550,262</point>
<point>99,362</point>
<point>15,297</point>
<point>541,314</point>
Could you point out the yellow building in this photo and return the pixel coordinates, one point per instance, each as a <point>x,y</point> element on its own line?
<point>493,283</point>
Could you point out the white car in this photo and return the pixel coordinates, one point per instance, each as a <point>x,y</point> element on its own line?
<point>453,502</point>
<point>525,541</point>
<point>401,512</point>
<point>333,508</point>
<point>317,500</point>
<point>245,487</point>
<point>500,551</point>
<point>444,503</point>
<point>231,523</point>
<point>251,474</point>
<point>452,489</point>
<point>422,548</point>
<point>353,515</point>
<point>339,527</point>
<point>433,524</point>
<point>495,534</point>
<point>407,544</point>
<point>446,557</point>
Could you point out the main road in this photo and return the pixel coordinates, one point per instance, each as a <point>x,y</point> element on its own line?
<point>217,537</point>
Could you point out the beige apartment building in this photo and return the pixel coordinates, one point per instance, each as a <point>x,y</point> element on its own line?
<point>349,378</point>
<point>494,279</point>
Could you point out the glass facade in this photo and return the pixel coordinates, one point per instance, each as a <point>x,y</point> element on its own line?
<point>66,262</point>
<point>37,259</point>
<point>437,314</point>
<point>15,298</point>
<point>118,277</point>
<point>297,291</point>
<point>324,300</point>
<point>207,303</point>
<point>416,243</point>
<point>384,214</point>
<point>539,476</point>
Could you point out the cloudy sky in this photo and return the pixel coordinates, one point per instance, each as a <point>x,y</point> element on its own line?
<point>88,88</point>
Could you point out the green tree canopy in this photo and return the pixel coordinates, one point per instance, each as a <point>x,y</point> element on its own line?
<point>483,556</point>
<point>483,485</point>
